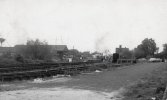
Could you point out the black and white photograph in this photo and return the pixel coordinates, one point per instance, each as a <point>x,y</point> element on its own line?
<point>83,49</point>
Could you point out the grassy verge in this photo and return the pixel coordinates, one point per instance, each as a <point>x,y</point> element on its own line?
<point>151,87</point>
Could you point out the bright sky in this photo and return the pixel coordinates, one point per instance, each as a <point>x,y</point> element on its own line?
<point>85,24</point>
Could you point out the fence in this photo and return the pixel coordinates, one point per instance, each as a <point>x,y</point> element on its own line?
<point>126,61</point>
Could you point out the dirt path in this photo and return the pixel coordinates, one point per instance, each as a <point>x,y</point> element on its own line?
<point>107,81</point>
<point>113,80</point>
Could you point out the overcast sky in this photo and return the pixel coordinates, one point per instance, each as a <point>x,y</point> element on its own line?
<point>85,24</point>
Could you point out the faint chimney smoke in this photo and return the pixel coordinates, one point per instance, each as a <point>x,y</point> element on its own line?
<point>100,43</point>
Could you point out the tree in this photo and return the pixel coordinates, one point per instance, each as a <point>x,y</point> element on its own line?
<point>148,47</point>
<point>37,49</point>
<point>2,40</point>
<point>165,50</point>
<point>139,53</point>
<point>165,47</point>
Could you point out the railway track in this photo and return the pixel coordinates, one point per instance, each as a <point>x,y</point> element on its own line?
<point>29,71</point>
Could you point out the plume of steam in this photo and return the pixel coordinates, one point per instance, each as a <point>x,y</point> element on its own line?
<point>101,43</point>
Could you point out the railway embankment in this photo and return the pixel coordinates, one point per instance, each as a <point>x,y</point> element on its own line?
<point>32,71</point>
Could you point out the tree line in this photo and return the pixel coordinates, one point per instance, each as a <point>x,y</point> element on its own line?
<point>148,48</point>
<point>40,50</point>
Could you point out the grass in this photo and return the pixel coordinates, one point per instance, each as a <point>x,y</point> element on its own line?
<point>149,87</point>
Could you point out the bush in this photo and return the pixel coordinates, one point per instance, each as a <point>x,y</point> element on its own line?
<point>19,58</point>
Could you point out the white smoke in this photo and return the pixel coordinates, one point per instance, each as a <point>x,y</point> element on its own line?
<point>102,43</point>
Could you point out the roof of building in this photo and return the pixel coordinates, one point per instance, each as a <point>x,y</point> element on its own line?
<point>18,47</point>
<point>120,49</point>
<point>58,47</point>
<point>53,47</point>
<point>6,49</point>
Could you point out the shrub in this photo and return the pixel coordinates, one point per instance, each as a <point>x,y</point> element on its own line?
<point>19,58</point>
